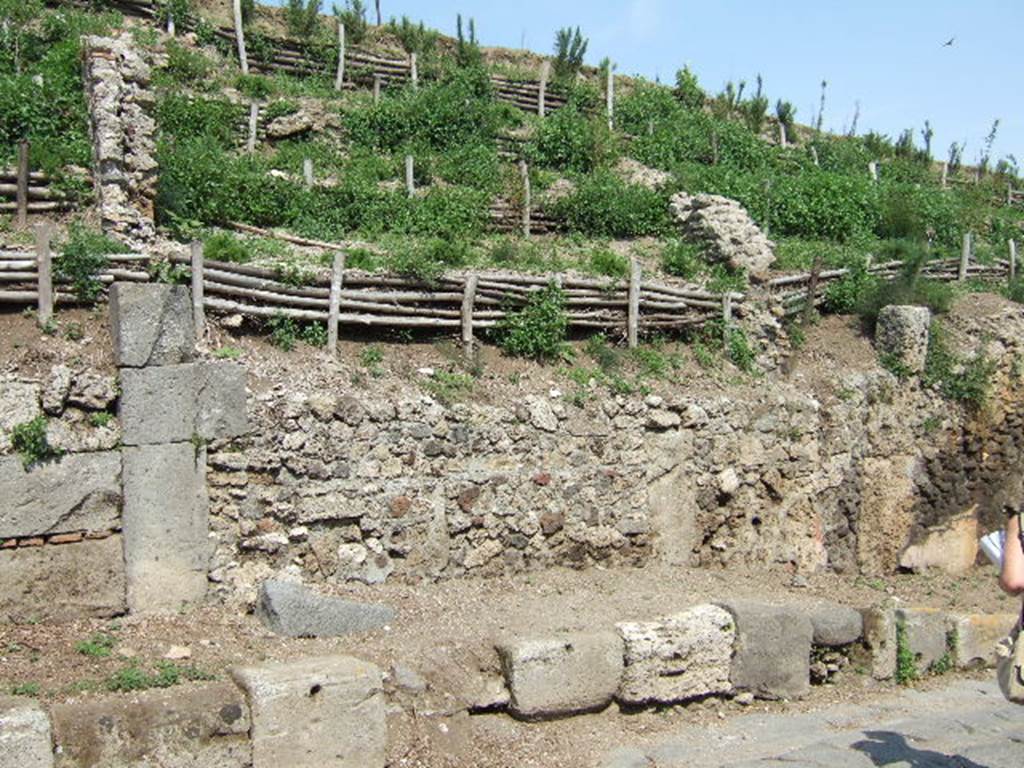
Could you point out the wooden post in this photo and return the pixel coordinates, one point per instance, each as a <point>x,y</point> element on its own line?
<point>170,24</point>
<point>21,192</point>
<point>337,279</point>
<point>1013,260</point>
<point>945,175</point>
<point>814,154</point>
<point>873,170</point>
<point>812,290</point>
<point>650,127</point>
<point>414,72</point>
<point>726,317</point>
<point>307,173</point>
<point>468,300</point>
<point>340,76</point>
<point>44,272</point>
<point>410,181</point>
<point>545,71</point>
<point>243,60</point>
<point>610,96</point>
<point>524,172</point>
<point>633,316</point>
<point>1009,193</point>
<point>254,126</point>
<point>198,312</point>
<point>376,90</point>
<point>965,257</point>
<point>782,135</point>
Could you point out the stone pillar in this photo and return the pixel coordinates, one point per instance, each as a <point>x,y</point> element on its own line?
<point>123,131</point>
<point>902,333</point>
<point>171,405</point>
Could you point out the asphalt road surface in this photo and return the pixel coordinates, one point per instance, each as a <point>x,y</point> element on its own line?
<point>965,725</point>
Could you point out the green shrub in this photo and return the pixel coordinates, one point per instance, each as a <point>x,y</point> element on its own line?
<point>284,332</point>
<point>188,66</point>
<point>844,295</point>
<point>447,387</point>
<point>167,674</point>
<point>605,261</point>
<point>98,646</point>
<point>570,140</point>
<point>604,205</point>
<point>682,259</point>
<point>30,688</point>
<point>909,288</point>
<point>740,351</point>
<point>964,381</point>
<point>539,329</point>
<point>646,103</point>
<point>570,48</point>
<point>255,87</point>
<point>82,257</point>
<point>225,246</point>
<point>429,259</point>
<point>688,90</point>
<point>29,440</point>
<point>187,117</point>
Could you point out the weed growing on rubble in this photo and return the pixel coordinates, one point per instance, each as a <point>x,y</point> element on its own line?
<point>167,674</point>
<point>25,689</point>
<point>539,329</point>
<point>29,440</point>
<point>99,646</point>
<point>447,387</point>
<point>906,663</point>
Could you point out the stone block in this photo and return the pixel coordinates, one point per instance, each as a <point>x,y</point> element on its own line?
<point>177,403</point>
<point>151,324</point>
<point>293,610</point>
<point>561,675</point>
<point>62,583</point>
<point>316,712</point>
<point>773,650</point>
<point>925,631</point>
<point>166,525</point>
<point>951,547</point>
<point>835,625</point>
<point>189,727</point>
<point>24,734</point>
<point>976,636</point>
<point>19,402</point>
<point>79,492</point>
<point>680,657</point>
<point>880,639</point>
<point>902,333</point>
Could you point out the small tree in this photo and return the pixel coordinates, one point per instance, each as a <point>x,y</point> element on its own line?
<point>688,90</point>
<point>818,122</point>
<point>303,18</point>
<point>467,51</point>
<point>15,17</point>
<point>986,152</point>
<point>927,134</point>
<point>353,17</point>
<point>756,108</point>
<point>956,156</point>
<point>570,48</point>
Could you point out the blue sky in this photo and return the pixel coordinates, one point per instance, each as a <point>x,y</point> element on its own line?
<point>886,55</point>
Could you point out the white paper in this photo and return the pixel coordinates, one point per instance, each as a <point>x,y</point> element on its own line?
<point>993,545</point>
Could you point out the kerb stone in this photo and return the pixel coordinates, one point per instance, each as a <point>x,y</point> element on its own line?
<point>79,492</point>
<point>679,657</point>
<point>293,610</point>
<point>926,632</point>
<point>179,403</point>
<point>63,582</point>
<point>316,712</point>
<point>562,675</point>
<point>976,636</point>
<point>166,525</point>
<point>151,324</point>
<point>773,650</point>
<point>835,625</point>
<point>24,735</point>
<point>193,727</point>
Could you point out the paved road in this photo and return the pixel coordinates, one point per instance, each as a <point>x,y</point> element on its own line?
<point>965,725</point>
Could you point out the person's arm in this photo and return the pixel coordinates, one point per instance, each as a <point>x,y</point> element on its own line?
<point>1011,577</point>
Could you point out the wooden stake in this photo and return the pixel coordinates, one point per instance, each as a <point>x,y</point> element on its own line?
<point>170,24</point>
<point>468,299</point>
<point>650,127</point>
<point>376,90</point>
<point>545,71</point>
<point>340,76</point>
<point>1009,193</point>
<point>198,313</point>
<point>45,274</point>
<point>812,290</point>
<point>21,194</point>
<point>243,60</point>
<point>873,170</point>
<point>254,123</point>
<point>610,96</point>
<point>410,181</point>
<point>814,154</point>
<point>307,173</point>
<point>945,175</point>
<point>337,280</point>
<point>524,172</point>
<point>414,70</point>
<point>726,318</point>
<point>633,316</point>
<point>782,135</point>
<point>965,257</point>
<point>1013,260</point>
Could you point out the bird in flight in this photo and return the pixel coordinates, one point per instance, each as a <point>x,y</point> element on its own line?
<point>949,43</point>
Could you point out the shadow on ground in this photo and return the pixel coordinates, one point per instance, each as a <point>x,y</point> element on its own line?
<point>888,748</point>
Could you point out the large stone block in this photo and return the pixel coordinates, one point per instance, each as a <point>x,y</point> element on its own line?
<point>926,633</point>
<point>80,492</point>
<point>166,525</point>
<point>975,637</point>
<point>193,727</point>
<point>902,334</point>
<point>24,735</point>
<point>677,658</point>
<point>951,547</point>
<point>151,324</point>
<point>561,675</point>
<point>178,403</point>
<point>316,712</point>
<point>880,639</point>
<point>773,650</point>
<point>19,402</point>
<point>63,582</point>
<point>296,611</point>
<point>835,625</point>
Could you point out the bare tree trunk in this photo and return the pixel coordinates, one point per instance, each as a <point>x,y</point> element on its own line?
<point>379,21</point>
<point>240,37</point>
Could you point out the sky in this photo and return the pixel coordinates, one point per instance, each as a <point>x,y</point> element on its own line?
<point>886,55</point>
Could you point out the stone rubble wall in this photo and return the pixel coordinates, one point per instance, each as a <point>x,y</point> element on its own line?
<point>726,229</point>
<point>123,130</point>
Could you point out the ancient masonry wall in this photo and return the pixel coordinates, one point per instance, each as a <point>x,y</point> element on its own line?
<point>123,135</point>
